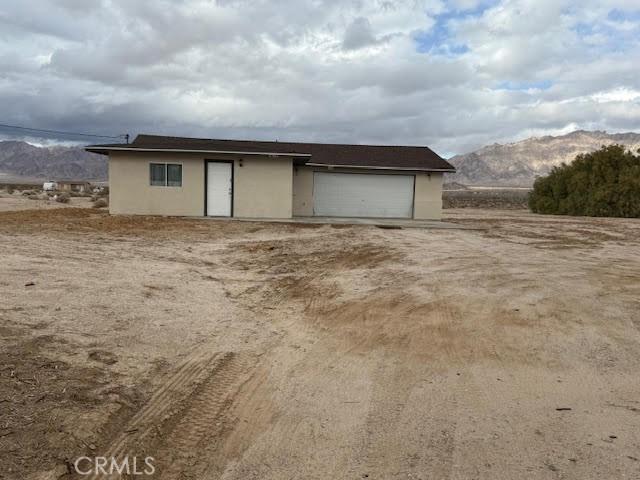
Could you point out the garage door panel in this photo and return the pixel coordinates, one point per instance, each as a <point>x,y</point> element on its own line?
<point>363,195</point>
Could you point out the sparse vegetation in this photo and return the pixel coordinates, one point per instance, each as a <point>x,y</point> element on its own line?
<point>100,203</point>
<point>63,198</point>
<point>18,186</point>
<point>604,183</point>
<point>38,196</point>
<point>507,199</point>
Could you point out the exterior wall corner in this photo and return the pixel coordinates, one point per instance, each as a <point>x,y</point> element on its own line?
<point>427,202</point>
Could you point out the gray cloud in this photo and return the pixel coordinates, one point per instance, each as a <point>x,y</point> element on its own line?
<point>319,69</point>
<point>359,34</point>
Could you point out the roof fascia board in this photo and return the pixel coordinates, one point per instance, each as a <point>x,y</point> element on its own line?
<point>181,150</point>
<point>409,169</point>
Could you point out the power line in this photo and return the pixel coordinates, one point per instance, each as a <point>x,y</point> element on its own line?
<point>58,132</point>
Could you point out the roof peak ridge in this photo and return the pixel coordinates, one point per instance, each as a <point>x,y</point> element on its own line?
<point>280,142</point>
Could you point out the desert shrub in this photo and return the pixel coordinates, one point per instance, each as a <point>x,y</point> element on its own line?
<point>63,198</point>
<point>604,183</point>
<point>28,193</point>
<point>499,198</point>
<point>100,203</point>
<point>10,190</point>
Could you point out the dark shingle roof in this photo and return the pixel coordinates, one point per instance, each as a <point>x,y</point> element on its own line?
<point>380,156</point>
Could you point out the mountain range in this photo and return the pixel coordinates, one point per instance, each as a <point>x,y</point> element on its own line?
<point>511,164</point>
<point>519,163</point>
<point>23,160</point>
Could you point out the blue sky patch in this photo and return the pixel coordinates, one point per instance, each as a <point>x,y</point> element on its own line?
<point>438,40</point>
<point>618,15</point>
<point>478,9</point>
<point>524,86</point>
<point>611,38</point>
<point>584,29</point>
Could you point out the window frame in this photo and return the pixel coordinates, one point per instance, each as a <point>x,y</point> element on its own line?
<point>166,174</point>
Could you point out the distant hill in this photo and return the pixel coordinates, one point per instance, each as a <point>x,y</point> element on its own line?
<point>518,164</point>
<point>21,159</point>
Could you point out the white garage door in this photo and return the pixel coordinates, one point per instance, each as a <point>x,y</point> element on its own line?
<point>362,195</point>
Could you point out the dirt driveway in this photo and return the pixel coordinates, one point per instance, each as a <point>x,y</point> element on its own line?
<point>269,351</point>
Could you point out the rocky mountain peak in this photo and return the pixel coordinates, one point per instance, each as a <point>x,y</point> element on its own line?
<point>519,163</point>
<point>21,159</point>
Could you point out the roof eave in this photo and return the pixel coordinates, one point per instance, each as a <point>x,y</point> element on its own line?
<point>106,150</point>
<point>370,167</point>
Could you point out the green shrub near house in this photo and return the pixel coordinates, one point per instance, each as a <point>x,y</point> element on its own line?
<point>604,183</point>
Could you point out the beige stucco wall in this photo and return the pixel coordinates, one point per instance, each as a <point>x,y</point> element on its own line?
<point>427,199</point>
<point>130,192</point>
<point>303,191</point>
<point>263,188</point>
<point>427,202</point>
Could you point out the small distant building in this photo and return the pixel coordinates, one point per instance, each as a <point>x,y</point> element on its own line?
<point>79,186</point>
<point>49,186</point>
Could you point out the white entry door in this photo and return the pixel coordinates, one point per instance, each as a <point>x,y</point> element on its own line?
<point>219,189</point>
<point>362,195</point>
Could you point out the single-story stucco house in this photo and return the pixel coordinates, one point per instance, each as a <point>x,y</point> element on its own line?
<point>157,175</point>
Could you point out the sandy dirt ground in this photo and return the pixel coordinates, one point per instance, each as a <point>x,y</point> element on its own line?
<point>15,201</point>
<point>238,350</point>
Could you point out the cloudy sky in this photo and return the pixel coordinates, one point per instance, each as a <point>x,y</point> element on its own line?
<point>454,75</point>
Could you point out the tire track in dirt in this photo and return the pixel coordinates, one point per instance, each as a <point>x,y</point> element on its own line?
<point>181,412</point>
<point>381,421</point>
<point>204,416</point>
<point>160,406</point>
